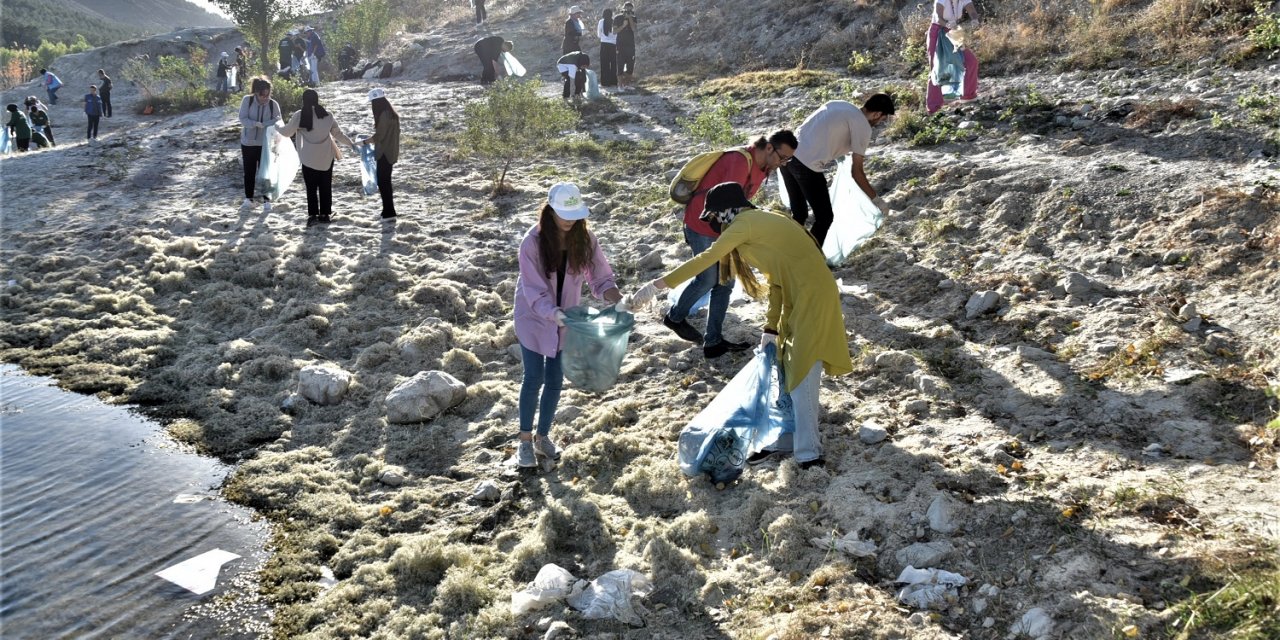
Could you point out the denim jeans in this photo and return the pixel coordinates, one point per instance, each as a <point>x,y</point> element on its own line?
<point>53,94</point>
<point>805,444</point>
<point>708,280</point>
<point>545,375</point>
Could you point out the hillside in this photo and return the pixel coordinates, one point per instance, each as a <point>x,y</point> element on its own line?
<point>27,22</point>
<point>1095,451</point>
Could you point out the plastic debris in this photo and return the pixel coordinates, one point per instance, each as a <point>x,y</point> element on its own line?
<point>199,575</point>
<point>1035,623</point>
<point>594,345</point>
<point>279,165</point>
<point>368,169</point>
<point>609,596</point>
<point>926,587</point>
<point>850,543</point>
<point>552,583</point>
<point>513,66</point>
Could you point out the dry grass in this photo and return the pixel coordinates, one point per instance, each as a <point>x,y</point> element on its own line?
<point>764,83</point>
<point>1158,114</point>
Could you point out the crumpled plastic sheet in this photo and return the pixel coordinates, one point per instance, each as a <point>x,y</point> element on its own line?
<point>850,543</point>
<point>610,596</point>
<point>552,583</point>
<point>279,165</point>
<point>927,587</point>
<point>368,169</point>
<point>513,66</point>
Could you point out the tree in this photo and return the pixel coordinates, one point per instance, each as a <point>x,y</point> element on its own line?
<point>261,21</point>
<point>512,119</point>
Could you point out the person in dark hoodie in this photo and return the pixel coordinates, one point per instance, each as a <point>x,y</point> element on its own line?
<point>40,121</point>
<point>625,24</point>
<point>490,50</point>
<point>19,128</point>
<point>573,68</point>
<point>572,31</point>
<point>104,91</point>
<point>92,109</point>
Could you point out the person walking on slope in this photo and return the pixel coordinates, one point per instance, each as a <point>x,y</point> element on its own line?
<point>557,256</point>
<point>625,24</point>
<point>315,53</point>
<point>104,92</point>
<point>93,109</point>
<point>242,67</point>
<point>19,128</point>
<point>386,144</point>
<point>490,51</point>
<point>318,134</point>
<point>257,110</point>
<point>946,16</point>
<point>835,129</point>
<point>573,29</point>
<point>803,318</point>
<point>608,50</point>
<point>40,122</point>
<point>481,14</point>
<point>749,167</point>
<point>284,49</point>
<point>573,69</point>
<point>51,85</point>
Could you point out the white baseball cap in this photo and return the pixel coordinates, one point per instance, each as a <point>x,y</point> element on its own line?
<point>575,9</point>
<point>567,201</point>
<point>376,93</point>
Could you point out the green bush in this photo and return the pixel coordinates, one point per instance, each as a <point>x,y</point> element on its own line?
<point>860,62</point>
<point>185,83</point>
<point>513,120</point>
<point>713,123</point>
<point>364,24</point>
<point>1266,31</point>
<point>288,94</point>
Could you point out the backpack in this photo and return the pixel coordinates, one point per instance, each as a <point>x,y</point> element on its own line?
<point>685,185</point>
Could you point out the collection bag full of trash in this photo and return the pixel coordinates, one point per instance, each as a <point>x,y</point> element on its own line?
<point>279,164</point>
<point>368,169</point>
<point>594,345</point>
<point>513,66</point>
<point>746,416</point>
<point>856,218</point>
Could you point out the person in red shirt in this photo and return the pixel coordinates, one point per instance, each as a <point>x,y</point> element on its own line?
<point>767,154</point>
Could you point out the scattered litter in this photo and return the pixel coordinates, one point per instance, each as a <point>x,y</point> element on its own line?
<point>199,575</point>
<point>1034,623</point>
<point>327,579</point>
<point>855,289</point>
<point>928,586</point>
<point>609,596</point>
<point>552,583</point>
<point>941,513</point>
<point>1177,375</point>
<point>849,544</point>
<point>187,498</point>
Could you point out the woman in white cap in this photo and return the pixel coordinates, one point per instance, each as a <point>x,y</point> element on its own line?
<point>317,132</point>
<point>558,255</point>
<point>573,29</point>
<point>386,144</point>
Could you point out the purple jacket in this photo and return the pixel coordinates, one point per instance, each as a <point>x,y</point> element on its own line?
<point>535,312</point>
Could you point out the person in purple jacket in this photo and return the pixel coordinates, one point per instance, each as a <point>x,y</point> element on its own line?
<point>557,256</point>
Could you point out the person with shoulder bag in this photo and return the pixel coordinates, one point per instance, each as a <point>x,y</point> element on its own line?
<point>318,135</point>
<point>257,110</point>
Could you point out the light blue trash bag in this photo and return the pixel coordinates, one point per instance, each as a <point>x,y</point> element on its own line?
<point>594,345</point>
<point>6,143</point>
<point>673,296</point>
<point>947,70</point>
<point>279,164</point>
<point>368,169</point>
<point>593,86</point>
<point>745,417</point>
<point>856,218</point>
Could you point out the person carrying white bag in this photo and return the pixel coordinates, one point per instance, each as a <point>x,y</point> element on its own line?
<point>257,111</point>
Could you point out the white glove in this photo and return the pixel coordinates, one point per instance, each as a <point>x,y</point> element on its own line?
<point>880,204</point>
<point>642,297</point>
<point>767,339</point>
<point>622,306</point>
<point>559,318</point>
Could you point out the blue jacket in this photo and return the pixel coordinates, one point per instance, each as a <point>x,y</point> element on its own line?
<point>92,104</point>
<point>315,46</point>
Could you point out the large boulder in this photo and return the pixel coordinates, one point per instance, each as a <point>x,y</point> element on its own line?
<point>423,397</point>
<point>323,383</point>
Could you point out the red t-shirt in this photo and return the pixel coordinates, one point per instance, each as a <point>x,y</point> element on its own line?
<point>731,167</point>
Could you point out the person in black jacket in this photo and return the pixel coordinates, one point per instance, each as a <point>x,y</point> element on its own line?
<point>104,92</point>
<point>490,50</point>
<point>572,31</point>
<point>40,122</point>
<point>625,25</point>
<point>575,63</point>
<point>481,14</point>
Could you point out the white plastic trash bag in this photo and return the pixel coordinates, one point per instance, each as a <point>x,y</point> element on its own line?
<point>856,217</point>
<point>513,66</point>
<point>368,169</point>
<point>279,164</point>
<point>593,86</point>
<point>6,143</point>
<point>552,583</point>
<point>609,596</point>
<point>925,587</point>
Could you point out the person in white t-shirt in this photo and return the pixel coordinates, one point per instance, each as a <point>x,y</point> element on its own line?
<point>946,16</point>
<point>836,129</point>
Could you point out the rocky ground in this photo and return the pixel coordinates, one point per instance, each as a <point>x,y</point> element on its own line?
<point>1064,332</point>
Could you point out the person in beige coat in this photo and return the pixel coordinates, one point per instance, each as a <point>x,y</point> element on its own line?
<point>317,140</point>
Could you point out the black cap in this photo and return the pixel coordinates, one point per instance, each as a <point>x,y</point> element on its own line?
<point>726,195</point>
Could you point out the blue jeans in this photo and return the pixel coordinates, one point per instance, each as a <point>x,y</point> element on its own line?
<point>53,95</point>
<point>541,374</point>
<point>708,280</point>
<point>806,443</point>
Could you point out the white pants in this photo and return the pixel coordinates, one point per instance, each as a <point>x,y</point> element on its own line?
<point>315,69</point>
<point>806,442</point>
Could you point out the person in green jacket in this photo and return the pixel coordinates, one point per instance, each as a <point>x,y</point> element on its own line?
<point>40,121</point>
<point>804,318</point>
<point>19,128</point>
<point>386,143</point>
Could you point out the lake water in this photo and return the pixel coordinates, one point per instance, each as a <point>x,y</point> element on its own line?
<point>94,501</point>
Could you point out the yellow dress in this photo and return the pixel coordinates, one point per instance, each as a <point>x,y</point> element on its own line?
<point>804,302</point>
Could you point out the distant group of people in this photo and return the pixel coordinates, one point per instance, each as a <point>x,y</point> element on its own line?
<point>317,135</point>
<point>617,37</point>
<point>301,51</point>
<point>225,65</point>
<point>32,123</point>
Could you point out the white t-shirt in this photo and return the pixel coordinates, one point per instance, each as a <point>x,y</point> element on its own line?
<point>828,134</point>
<point>951,10</point>
<point>610,38</point>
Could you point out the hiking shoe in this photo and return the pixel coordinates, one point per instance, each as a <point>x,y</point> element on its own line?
<point>323,219</point>
<point>720,348</point>
<point>809,464</point>
<point>246,204</point>
<point>524,455</point>
<point>543,446</point>
<point>312,221</point>
<point>266,207</point>
<point>683,329</point>
<point>763,456</point>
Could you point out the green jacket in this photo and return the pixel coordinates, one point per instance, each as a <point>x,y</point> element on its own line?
<point>21,128</point>
<point>386,138</point>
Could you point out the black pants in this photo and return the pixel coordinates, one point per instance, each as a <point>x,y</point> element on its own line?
<point>626,61</point>
<point>106,103</point>
<point>48,134</point>
<point>384,188</point>
<point>608,64</point>
<point>24,144</point>
<point>807,188</point>
<point>93,127</point>
<point>319,191</point>
<point>487,74</point>
<point>579,82</point>
<point>481,14</point>
<point>251,156</point>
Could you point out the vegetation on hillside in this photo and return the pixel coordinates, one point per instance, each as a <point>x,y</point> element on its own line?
<point>28,23</point>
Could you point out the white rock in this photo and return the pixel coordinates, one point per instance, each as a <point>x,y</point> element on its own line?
<point>988,622</point>
<point>1188,311</point>
<point>980,302</point>
<point>1005,290</point>
<point>391,477</point>
<point>558,629</point>
<point>1077,283</point>
<point>1035,623</point>
<point>323,383</point>
<point>924,554</point>
<point>942,514</point>
<point>423,397</point>
<point>871,433</point>
<point>515,352</point>
<point>927,384</point>
<point>487,491</point>
<point>899,361</point>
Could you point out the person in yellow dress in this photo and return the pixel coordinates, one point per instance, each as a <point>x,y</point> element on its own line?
<point>803,318</point>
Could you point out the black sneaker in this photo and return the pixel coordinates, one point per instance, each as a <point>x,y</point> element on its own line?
<point>683,329</point>
<point>809,464</point>
<point>763,456</point>
<point>388,216</point>
<point>720,348</point>
<point>736,346</point>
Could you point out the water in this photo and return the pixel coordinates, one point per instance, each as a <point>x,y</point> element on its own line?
<point>94,500</point>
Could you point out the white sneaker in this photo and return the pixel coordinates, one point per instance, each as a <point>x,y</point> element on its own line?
<point>524,455</point>
<point>266,207</point>
<point>246,204</point>
<point>543,446</point>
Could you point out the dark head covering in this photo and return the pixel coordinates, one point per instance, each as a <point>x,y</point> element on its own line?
<point>723,203</point>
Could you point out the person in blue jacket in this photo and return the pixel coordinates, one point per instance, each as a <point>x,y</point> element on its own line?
<point>93,109</point>
<point>51,85</point>
<point>315,53</point>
